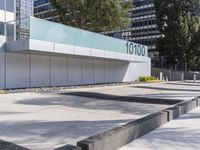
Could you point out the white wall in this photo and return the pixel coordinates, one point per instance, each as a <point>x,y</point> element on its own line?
<point>31,70</point>
<point>17,70</point>
<point>74,70</point>
<point>99,71</point>
<point>137,69</point>
<point>88,71</point>
<point>59,71</point>
<point>120,70</point>
<point>2,56</point>
<point>109,71</point>
<point>40,70</point>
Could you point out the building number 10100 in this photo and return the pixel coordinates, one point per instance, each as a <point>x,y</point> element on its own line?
<point>135,49</point>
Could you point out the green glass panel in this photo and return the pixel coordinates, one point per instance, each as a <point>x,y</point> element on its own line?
<point>59,33</point>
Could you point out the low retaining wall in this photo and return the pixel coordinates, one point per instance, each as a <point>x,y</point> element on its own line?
<point>120,136</point>
<point>181,108</point>
<point>117,137</point>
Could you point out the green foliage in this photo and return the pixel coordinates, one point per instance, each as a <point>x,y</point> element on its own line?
<point>1,91</point>
<point>147,79</point>
<point>93,15</point>
<point>179,23</point>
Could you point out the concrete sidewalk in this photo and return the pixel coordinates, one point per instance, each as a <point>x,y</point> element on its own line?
<point>45,121</point>
<point>42,121</point>
<point>180,134</point>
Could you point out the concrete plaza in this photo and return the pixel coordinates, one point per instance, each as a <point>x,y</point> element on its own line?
<point>50,120</point>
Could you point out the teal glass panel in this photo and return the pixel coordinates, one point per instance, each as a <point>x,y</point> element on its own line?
<point>59,33</point>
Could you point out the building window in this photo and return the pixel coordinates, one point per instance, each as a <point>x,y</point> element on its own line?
<point>1,28</point>
<point>10,5</point>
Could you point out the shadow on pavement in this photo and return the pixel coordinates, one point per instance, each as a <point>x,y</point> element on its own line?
<point>34,133</point>
<point>166,89</point>
<point>124,98</point>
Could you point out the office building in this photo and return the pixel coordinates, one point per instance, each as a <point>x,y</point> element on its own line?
<point>53,54</point>
<point>143,28</point>
<point>24,9</point>
<point>18,10</point>
<point>43,9</point>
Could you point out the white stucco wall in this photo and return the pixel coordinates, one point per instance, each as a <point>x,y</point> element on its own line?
<point>49,69</point>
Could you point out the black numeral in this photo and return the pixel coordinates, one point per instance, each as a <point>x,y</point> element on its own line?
<point>135,49</point>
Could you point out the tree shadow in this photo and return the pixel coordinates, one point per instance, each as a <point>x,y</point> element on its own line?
<point>137,99</point>
<point>32,134</point>
<point>93,104</point>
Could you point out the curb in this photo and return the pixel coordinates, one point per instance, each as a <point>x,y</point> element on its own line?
<point>120,136</point>
<point>117,137</point>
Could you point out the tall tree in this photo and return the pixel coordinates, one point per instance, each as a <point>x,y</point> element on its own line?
<point>179,23</point>
<point>94,15</point>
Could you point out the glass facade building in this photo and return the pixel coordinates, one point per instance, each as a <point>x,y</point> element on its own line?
<point>7,10</point>
<point>11,10</point>
<point>7,5</point>
<point>143,28</point>
<point>43,9</point>
<point>24,9</point>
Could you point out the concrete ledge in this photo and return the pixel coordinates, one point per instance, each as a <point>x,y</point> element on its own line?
<point>120,136</point>
<point>10,146</point>
<point>186,106</point>
<point>198,101</point>
<point>67,147</point>
<point>173,113</point>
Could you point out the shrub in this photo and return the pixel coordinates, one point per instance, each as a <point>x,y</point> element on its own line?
<point>147,79</point>
<point>1,92</point>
